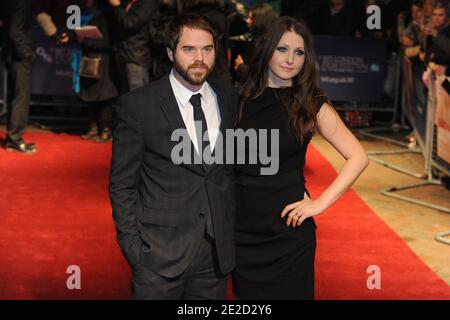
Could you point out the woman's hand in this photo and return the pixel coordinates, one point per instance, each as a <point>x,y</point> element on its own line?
<point>301,210</point>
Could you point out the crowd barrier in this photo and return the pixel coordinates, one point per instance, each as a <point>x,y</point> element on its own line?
<point>428,110</point>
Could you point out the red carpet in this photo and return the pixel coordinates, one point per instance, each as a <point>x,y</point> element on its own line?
<point>55,213</point>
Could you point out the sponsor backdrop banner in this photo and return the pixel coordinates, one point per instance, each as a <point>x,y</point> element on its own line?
<point>351,69</point>
<point>416,94</point>
<point>52,71</point>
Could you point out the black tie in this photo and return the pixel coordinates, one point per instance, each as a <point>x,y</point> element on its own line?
<point>202,145</point>
<point>200,116</point>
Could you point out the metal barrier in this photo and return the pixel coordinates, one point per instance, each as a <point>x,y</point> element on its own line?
<point>432,163</point>
<point>396,63</point>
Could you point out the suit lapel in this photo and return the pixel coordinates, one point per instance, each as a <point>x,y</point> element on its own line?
<point>173,115</point>
<point>224,115</point>
<point>223,106</point>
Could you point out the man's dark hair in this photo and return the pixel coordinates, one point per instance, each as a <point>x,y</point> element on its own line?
<point>189,20</point>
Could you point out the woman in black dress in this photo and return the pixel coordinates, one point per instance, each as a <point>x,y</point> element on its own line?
<point>275,229</point>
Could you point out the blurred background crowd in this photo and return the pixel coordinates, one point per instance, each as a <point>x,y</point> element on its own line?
<point>132,50</point>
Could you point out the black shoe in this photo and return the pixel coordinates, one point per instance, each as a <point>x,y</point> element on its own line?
<point>21,147</point>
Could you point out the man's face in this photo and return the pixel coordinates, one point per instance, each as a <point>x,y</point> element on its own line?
<point>194,56</point>
<point>439,17</point>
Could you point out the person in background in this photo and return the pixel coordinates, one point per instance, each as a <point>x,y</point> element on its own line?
<point>436,54</point>
<point>259,18</point>
<point>18,56</point>
<point>427,12</point>
<point>98,92</point>
<point>336,18</point>
<point>409,35</point>
<point>161,64</point>
<point>438,34</point>
<point>213,11</point>
<point>133,18</point>
<point>302,10</point>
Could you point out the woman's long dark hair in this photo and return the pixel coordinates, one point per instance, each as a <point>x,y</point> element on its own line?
<point>301,102</point>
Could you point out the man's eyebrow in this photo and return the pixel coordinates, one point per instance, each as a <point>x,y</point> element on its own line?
<point>192,46</point>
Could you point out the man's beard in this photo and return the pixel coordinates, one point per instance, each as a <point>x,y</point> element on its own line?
<point>196,78</point>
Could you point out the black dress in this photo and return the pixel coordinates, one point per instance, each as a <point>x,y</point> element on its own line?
<point>273,261</point>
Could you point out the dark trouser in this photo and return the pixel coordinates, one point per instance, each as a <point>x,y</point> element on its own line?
<point>202,280</point>
<point>19,78</point>
<point>137,75</point>
<point>100,114</point>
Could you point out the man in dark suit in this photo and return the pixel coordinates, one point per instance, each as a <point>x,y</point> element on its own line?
<point>175,221</point>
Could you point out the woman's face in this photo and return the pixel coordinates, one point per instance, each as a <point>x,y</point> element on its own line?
<point>287,60</point>
<point>439,17</point>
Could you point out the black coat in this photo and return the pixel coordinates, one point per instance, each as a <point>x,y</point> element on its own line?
<point>133,29</point>
<point>104,88</point>
<point>17,33</point>
<point>438,49</point>
<point>156,203</point>
<point>341,24</point>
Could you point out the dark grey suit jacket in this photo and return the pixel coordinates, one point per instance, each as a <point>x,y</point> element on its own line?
<point>157,204</point>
